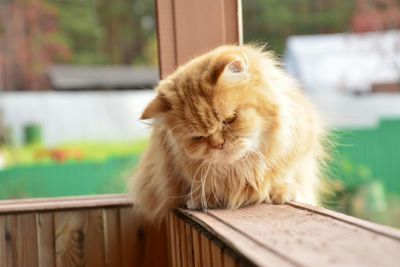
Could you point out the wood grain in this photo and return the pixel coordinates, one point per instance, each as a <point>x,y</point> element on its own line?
<point>171,241</point>
<point>228,259</point>
<point>112,239</point>
<point>130,246</point>
<point>370,226</point>
<point>11,240</point>
<point>26,240</point>
<point>235,240</point>
<point>46,247</point>
<point>189,244</point>
<point>3,247</point>
<point>216,255</point>
<point>186,29</point>
<point>78,231</point>
<point>196,248</point>
<point>65,203</point>
<point>290,235</point>
<point>205,250</point>
<point>183,242</point>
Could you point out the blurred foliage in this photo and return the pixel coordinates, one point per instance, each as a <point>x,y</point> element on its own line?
<point>74,152</point>
<point>272,21</point>
<point>108,32</point>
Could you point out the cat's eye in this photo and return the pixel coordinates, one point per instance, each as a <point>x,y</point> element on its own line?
<point>230,119</point>
<point>198,138</point>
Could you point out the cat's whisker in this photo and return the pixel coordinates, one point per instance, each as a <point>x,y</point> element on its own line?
<point>203,188</point>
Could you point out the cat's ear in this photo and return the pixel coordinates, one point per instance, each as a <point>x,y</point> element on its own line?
<point>237,66</point>
<point>232,68</point>
<point>157,106</point>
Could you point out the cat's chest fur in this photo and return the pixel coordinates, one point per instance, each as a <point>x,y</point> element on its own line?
<point>215,185</point>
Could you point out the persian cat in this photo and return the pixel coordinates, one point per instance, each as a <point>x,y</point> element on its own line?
<point>229,129</point>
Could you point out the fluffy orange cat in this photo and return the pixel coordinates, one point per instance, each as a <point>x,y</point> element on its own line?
<point>230,129</point>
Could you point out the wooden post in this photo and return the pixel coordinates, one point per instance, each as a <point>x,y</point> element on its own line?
<point>187,28</point>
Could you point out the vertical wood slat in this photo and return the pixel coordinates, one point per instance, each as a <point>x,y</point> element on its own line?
<point>228,260</point>
<point>205,250</point>
<point>216,255</point>
<point>189,246</point>
<point>79,238</point>
<point>3,248</point>
<point>196,248</point>
<point>112,237</point>
<point>182,235</point>
<point>45,228</point>
<point>171,243</point>
<point>188,28</point>
<point>11,245</point>
<point>129,244</point>
<point>25,236</point>
<point>177,242</point>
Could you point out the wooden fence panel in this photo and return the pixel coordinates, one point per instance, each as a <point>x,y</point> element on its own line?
<point>86,231</point>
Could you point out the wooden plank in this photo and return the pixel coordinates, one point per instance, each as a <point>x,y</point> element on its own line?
<point>189,244</point>
<point>112,237</point>
<point>189,28</point>
<point>95,243</point>
<point>46,246</point>
<point>70,238</point>
<point>166,37</point>
<point>233,21</point>
<point>171,243</point>
<point>205,250</point>
<point>216,255</point>
<point>196,248</point>
<point>79,238</point>
<point>182,235</point>
<point>298,237</point>
<point>177,241</point>
<point>23,235</point>
<point>235,240</point>
<point>48,204</point>
<point>155,245</point>
<point>3,247</point>
<point>130,247</point>
<point>11,240</point>
<point>229,260</point>
<point>373,227</point>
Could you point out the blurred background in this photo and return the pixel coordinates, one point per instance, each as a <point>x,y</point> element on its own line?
<point>76,74</point>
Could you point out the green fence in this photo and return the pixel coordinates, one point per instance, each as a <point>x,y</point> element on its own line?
<point>360,155</point>
<point>365,154</point>
<point>67,179</point>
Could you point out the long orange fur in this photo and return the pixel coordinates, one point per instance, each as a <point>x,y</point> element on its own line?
<point>230,129</point>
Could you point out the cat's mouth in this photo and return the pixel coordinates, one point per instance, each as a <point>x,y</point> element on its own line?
<point>225,157</point>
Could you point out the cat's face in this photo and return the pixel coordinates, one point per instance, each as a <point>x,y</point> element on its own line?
<point>212,109</point>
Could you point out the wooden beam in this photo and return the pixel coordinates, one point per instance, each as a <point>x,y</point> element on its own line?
<point>189,28</point>
<point>291,235</point>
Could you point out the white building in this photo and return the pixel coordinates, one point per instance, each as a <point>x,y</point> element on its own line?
<point>336,68</point>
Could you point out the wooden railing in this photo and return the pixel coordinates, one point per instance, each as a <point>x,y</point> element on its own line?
<point>279,235</point>
<point>81,231</point>
<point>104,231</point>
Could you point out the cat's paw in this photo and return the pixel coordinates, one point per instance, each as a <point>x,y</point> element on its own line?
<point>191,204</point>
<point>281,193</point>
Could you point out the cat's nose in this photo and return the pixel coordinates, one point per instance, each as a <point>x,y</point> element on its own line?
<point>216,141</point>
<point>218,146</point>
